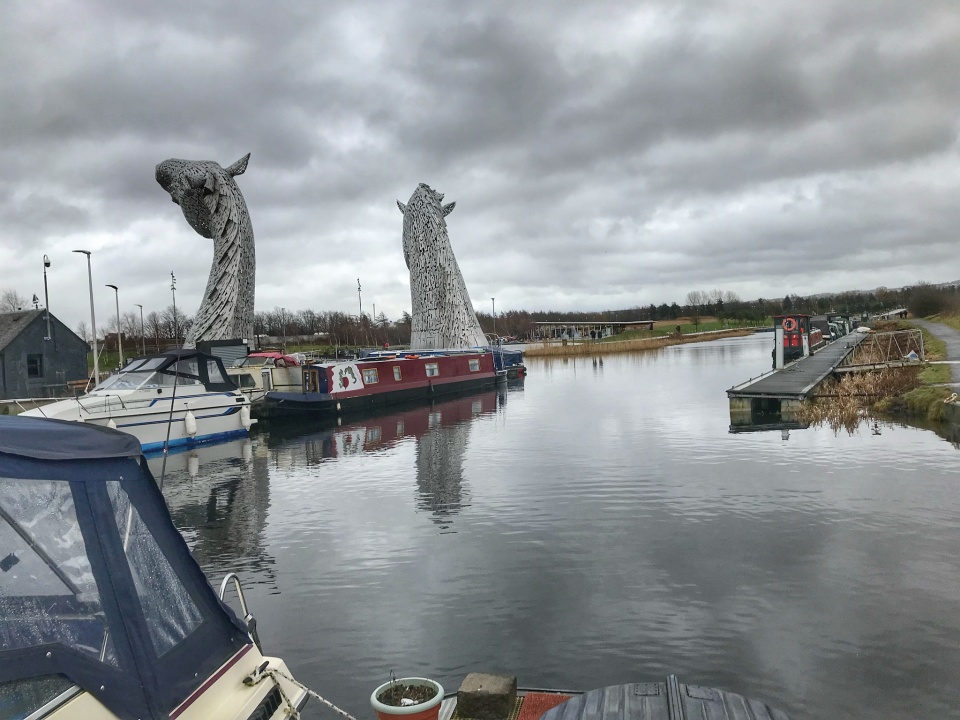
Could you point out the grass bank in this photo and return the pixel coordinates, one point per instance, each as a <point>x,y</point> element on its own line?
<point>636,344</point>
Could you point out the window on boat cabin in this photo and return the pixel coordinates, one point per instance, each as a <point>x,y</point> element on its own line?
<point>396,372</point>
<point>475,365</point>
<point>170,612</point>
<point>34,366</point>
<point>48,593</point>
<point>370,376</point>
<point>246,380</point>
<point>213,372</point>
<point>433,369</point>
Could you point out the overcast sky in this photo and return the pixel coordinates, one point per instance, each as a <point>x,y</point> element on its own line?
<point>602,154</point>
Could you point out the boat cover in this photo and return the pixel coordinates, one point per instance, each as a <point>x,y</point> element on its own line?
<point>97,587</point>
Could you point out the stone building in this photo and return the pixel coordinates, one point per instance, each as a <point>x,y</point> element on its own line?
<point>32,365</point>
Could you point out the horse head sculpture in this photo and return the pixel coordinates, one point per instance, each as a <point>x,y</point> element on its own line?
<point>443,316</point>
<point>214,207</point>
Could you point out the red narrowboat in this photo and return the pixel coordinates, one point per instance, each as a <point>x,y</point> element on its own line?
<point>332,388</point>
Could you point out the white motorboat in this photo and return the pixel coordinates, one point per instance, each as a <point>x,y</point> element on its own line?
<point>104,612</point>
<point>178,398</point>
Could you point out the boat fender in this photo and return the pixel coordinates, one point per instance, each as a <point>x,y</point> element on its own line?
<point>190,424</point>
<point>111,424</point>
<point>245,419</point>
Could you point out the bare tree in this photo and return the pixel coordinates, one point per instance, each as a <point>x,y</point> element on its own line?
<point>11,301</point>
<point>83,330</point>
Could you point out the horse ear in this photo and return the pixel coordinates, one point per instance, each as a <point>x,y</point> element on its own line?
<point>403,208</point>
<point>448,208</point>
<point>239,166</point>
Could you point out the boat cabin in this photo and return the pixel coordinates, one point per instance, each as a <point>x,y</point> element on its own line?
<point>183,368</point>
<point>104,613</point>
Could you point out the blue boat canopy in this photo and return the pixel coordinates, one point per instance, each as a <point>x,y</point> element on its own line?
<point>98,590</point>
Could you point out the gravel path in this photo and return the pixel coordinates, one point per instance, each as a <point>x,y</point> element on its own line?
<point>950,336</point>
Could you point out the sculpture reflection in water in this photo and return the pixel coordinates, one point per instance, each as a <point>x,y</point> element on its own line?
<point>219,499</point>
<point>441,431</point>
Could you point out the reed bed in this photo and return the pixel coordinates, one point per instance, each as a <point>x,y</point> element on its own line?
<point>843,404</point>
<point>589,348</point>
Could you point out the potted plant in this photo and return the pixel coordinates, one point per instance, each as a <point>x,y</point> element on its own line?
<point>410,698</point>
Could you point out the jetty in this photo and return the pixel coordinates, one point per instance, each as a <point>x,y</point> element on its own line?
<point>770,401</point>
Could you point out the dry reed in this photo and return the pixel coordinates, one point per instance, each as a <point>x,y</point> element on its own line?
<point>845,403</point>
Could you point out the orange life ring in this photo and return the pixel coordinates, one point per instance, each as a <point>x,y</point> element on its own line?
<point>789,324</point>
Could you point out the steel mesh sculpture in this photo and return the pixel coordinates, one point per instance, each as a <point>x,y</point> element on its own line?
<point>443,316</point>
<point>212,204</point>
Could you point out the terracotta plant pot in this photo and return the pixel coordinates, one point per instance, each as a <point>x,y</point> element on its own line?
<point>429,710</point>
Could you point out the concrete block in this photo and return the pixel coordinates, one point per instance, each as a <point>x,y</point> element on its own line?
<point>486,697</point>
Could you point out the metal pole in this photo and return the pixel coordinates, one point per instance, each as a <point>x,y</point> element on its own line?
<point>359,297</point>
<point>93,320</point>
<point>493,305</point>
<point>173,289</point>
<point>46,295</point>
<point>143,337</point>
<point>116,296</point>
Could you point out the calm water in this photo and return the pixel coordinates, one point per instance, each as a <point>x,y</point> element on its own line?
<point>598,525</point>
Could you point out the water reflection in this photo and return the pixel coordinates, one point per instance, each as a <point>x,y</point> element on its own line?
<point>219,496</point>
<point>440,430</point>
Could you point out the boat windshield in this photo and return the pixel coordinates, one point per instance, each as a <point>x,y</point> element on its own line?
<point>146,375</point>
<point>252,362</point>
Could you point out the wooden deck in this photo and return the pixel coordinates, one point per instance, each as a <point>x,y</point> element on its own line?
<point>798,379</point>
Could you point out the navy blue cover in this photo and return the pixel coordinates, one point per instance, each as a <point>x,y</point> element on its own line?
<point>61,440</point>
<point>144,686</point>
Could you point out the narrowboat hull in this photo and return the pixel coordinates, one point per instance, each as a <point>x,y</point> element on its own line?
<point>283,404</point>
<point>333,389</point>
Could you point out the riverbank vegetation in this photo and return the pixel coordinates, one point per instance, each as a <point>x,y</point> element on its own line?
<point>915,392</point>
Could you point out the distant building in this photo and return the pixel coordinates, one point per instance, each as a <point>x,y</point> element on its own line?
<point>589,330</point>
<point>32,366</point>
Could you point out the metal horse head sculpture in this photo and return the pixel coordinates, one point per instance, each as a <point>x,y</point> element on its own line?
<point>443,316</point>
<point>212,204</point>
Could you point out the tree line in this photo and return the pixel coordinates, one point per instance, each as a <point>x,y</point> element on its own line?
<point>167,327</point>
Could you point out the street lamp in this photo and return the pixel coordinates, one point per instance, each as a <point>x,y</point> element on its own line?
<point>173,290</point>
<point>143,337</point>
<point>46,295</point>
<point>116,295</point>
<point>93,320</point>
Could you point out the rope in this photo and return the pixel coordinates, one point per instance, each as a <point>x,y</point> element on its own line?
<point>272,672</point>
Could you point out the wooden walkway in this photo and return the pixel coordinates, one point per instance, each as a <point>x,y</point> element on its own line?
<point>798,379</point>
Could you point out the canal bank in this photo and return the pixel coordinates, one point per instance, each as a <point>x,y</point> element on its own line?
<point>612,347</point>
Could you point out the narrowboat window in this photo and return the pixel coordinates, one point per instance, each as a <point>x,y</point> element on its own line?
<point>475,365</point>
<point>370,376</point>
<point>396,372</point>
<point>34,365</point>
<point>433,369</point>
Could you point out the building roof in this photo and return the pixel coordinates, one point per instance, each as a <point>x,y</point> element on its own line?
<point>14,323</point>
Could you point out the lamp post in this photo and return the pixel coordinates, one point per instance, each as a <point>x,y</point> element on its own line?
<point>143,337</point>
<point>93,320</point>
<point>173,290</point>
<point>359,297</point>
<point>116,296</point>
<point>493,307</point>
<point>46,295</point>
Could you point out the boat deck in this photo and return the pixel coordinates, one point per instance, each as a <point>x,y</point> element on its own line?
<point>668,700</point>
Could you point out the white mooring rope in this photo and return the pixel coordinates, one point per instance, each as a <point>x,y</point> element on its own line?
<point>257,675</point>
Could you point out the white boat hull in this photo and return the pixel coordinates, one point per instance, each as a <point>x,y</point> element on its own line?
<point>218,416</point>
